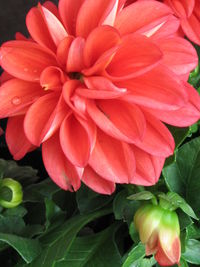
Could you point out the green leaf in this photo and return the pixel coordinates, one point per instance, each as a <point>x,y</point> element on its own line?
<point>134,256</point>
<point>124,208</point>
<point>177,201</point>
<point>134,233</point>
<point>184,219</point>
<point>53,212</point>
<point>193,232</point>
<point>37,192</point>
<point>57,243</point>
<point>11,224</point>
<point>144,195</point>
<point>192,251</point>
<point>93,250</point>
<point>183,175</point>
<point>183,263</point>
<point>19,211</point>
<point>28,249</point>
<point>89,201</point>
<point>24,174</point>
<point>179,134</point>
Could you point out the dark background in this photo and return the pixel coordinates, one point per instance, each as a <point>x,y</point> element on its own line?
<point>12,17</point>
<point>12,20</point>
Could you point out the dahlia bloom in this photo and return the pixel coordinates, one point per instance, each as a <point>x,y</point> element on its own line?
<point>93,85</point>
<point>159,230</point>
<point>188,12</point>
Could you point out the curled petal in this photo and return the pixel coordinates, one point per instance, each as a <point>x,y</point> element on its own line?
<point>52,78</point>
<point>96,182</point>
<point>120,120</point>
<point>44,117</point>
<point>16,139</point>
<point>135,56</point>
<point>100,88</point>
<point>25,60</point>
<point>99,67</point>
<point>112,159</point>
<point>151,14</point>
<point>15,95</point>
<point>100,40</point>
<point>75,102</point>
<point>77,138</point>
<point>61,171</point>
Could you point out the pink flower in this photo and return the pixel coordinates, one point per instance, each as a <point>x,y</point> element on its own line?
<point>92,85</point>
<point>159,230</point>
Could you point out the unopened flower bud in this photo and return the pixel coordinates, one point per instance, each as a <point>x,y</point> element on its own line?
<point>159,230</point>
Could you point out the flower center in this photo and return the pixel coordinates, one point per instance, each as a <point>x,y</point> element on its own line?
<point>76,76</point>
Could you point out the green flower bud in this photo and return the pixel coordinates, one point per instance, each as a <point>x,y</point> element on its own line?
<point>159,230</point>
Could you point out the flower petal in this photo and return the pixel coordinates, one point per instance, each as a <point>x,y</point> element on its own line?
<point>75,61</point>
<point>119,119</point>
<point>61,171</point>
<point>135,56</point>
<point>52,78</point>
<point>181,50</point>
<point>184,116</point>
<point>168,27</point>
<point>52,8</point>
<point>56,29</point>
<point>25,60</point>
<point>168,254</point>
<point>38,29</point>
<point>159,88</point>
<point>16,139</point>
<point>63,50</point>
<point>92,14</point>
<point>77,138</point>
<point>44,117</point>
<point>68,11</point>
<point>182,8</point>
<point>100,40</point>
<point>16,94</point>
<point>100,88</point>
<point>157,140</point>
<point>112,159</point>
<point>97,183</point>
<point>151,14</point>
<point>148,167</point>
<point>191,28</point>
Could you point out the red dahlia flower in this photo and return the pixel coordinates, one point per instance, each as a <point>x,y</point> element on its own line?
<point>92,85</point>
